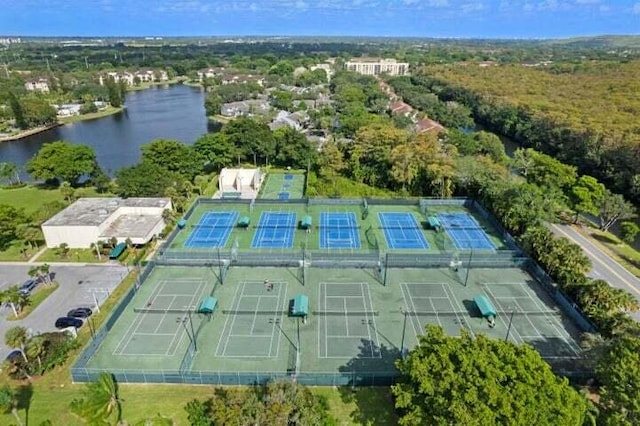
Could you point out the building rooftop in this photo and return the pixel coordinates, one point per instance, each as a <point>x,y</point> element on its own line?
<point>94,211</point>
<point>131,225</point>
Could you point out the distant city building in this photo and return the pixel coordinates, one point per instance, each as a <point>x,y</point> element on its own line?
<point>377,66</point>
<point>428,125</point>
<point>40,85</point>
<point>10,40</point>
<point>242,79</point>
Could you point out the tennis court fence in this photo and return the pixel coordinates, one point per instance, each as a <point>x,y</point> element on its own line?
<point>343,259</point>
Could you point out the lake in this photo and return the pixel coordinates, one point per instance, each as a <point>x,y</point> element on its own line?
<point>170,112</point>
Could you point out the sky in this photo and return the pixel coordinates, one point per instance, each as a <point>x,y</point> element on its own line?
<point>388,18</point>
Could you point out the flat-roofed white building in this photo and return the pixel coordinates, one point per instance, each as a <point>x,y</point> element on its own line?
<point>239,183</point>
<point>377,66</point>
<point>89,220</point>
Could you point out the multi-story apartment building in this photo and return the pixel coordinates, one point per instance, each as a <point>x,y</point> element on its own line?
<point>376,66</point>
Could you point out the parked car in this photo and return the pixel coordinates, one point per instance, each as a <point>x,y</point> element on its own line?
<point>28,286</point>
<point>64,322</point>
<point>80,313</point>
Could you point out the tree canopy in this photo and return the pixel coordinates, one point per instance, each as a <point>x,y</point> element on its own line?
<point>145,179</point>
<point>63,161</point>
<point>173,156</point>
<point>466,381</point>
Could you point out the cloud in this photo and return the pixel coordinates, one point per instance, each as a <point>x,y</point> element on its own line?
<point>472,7</point>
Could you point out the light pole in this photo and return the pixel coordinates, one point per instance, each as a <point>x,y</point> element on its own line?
<point>513,311</point>
<point>404,329</point>
<point>466,277</point>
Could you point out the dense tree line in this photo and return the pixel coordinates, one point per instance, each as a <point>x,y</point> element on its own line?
<point>561,115</point>
<point>272,404</point>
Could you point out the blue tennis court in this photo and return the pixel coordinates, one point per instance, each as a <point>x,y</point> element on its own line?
<point>212,230</point>
<point>465,231</point>
<point>283,195</point>
<point>339,231</point>
<point>275,230</point>
<point>288,176</point>
<point>401,231</point>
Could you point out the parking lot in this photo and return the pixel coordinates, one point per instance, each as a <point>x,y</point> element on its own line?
<point>80,286</point>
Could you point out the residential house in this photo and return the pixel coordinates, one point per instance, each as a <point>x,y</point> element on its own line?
<point>401,108</point>
<point>242,79</point>
<point>296,120</point>
<point>126,77</point>
<point>326,67</point>
<point>299,71</point>
<point>210,73</point>
<point>39,85</point>
<point>245,108</point>
<point>428,125</point>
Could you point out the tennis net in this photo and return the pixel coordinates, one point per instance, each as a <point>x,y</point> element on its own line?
<point>316,313</point>
<point>466,313</point>
<point>164,311</point>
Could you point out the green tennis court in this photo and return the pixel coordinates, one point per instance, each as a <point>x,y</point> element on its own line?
<point>283,186</point>
<point>355,324</point>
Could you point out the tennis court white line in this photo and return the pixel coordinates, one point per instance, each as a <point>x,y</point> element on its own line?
<point>345,297</point>
<point>456,305</point>
<point>528,319</point>
<point>413,319</point>
<point>346,322</point>
<point>154,334</point>
<point>224,328</point>
<point>514,332</point>
<point>136,322</point>
<point>555,322</point>
<point>180,333</point>
<point>274,324</point>
<point>259,336</point>
<point>353,336</point>
<point>371,320</point>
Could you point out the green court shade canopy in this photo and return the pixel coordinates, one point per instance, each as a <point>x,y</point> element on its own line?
<point>208,305</point>
<point>182,223</point>
<point>117,251</point>
<point>244,222</point>
<point>486,308</point>
<point>300,306</point>
<point>306,222</point>
<point>433,222</point>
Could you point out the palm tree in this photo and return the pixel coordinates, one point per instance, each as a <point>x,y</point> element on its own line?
<point>16,337</point>
<point>97,248</point>
<point>13,297</point>
<point>34,272</point>
<point>9,402</point>
<point>100,401</point>
<point>45,270</point>
<point>36,348</point>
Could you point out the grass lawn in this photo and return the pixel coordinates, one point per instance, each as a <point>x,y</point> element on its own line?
<point>371,406</point>
<point>13,252</point>
<point>74,255</point>
<point>32,197</point>
<point>37,297</point>
<point>624,254</point>
<point>105,112</point>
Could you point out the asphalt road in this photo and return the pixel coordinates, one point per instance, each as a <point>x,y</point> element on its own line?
<point>603,267</point>
<point>80,286</point>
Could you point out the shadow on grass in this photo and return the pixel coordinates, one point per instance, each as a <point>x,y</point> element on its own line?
<point>631,261</point>
<point>604,238</point>
<point>24,394</point>
<point>368,388</point>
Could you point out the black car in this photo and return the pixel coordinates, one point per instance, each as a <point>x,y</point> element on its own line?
<point>80,313</point>
<point>28,286</point>
<point>64,322</point>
